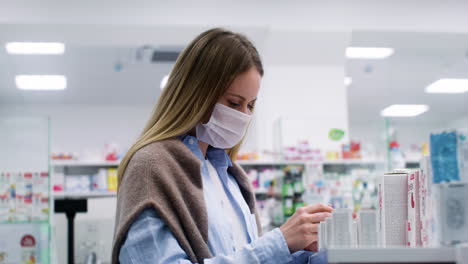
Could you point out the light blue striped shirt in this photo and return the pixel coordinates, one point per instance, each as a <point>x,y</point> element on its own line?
<point>149,240</point>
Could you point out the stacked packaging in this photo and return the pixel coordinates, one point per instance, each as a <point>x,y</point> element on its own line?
<point>426,207</point>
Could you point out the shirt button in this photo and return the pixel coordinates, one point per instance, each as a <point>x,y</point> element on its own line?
<point>190,141</point>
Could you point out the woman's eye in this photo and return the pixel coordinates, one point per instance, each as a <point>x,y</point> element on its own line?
<point>251,107</point>
<point>234,104</point>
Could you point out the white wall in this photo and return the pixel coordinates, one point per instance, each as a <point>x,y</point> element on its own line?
<point>309,99</point>
<point>80,128</point>
<point>459,123</point>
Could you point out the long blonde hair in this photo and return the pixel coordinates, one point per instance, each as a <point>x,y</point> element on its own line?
<point>201,75</point>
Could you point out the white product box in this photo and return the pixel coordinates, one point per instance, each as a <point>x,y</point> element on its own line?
<point>426,203</point>
<point>462,149</point>
<point>355,236</point>
<point>452,212</point>
<point>322,235</point>
<point>342,228</point>
<point>393,209</point>
<point>99,181</point>
<point>414,219</point>
<point>367,228</point>
<point>328,223</point>
<point>58,181</point>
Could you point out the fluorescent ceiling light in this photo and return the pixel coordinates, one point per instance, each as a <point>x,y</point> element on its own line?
<point>368,52</point>
<point>347,81</point>
<point>451,86</point>
<point>164,82</point>
<point>41,82</point>
<point>404,110</point>
<point>35,48</point>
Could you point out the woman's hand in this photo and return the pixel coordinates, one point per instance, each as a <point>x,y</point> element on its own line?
<point>301,230</point>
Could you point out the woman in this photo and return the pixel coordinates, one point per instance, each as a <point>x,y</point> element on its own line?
<point>180,198</point>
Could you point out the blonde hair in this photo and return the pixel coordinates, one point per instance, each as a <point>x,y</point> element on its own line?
<point>201,75</point>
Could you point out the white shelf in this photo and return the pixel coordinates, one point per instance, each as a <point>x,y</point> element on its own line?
<point>391,255</point>
<point>83,195</point>
<point>300,162</point>
<point>270,163</point>
<point>74,163</point>
<point>353,162</point>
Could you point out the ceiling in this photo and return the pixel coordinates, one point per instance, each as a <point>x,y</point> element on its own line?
<point>337,15</point>
<point>95,75</point>
<point>419,59</point>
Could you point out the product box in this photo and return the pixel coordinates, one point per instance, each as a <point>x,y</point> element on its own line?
<point>449,156</point>
<point>329,228</point>
<point>451,219</point>
<point>367,228</point>
<point>99,181</point>
<point>426,203</point>
<point>342,228</point>
<point>393,209</point>
<point>414,219</point>
<point>322,240</point>
<point>462,149</point>
<point>112,180</point>
<point>354,235</point>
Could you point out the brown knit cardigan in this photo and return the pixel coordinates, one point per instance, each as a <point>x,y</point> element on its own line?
<point>166,176</point>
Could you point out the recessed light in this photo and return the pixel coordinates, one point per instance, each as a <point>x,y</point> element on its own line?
<point>164,82</point>
<point>41,82</point>
<point>404,110</point>
<point>347,81</point>
<point>368,52</point>
<point>35,48</point>
<point>450,86</point>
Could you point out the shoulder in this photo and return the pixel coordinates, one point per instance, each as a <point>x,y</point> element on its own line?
<point>160,152</point>
<point>160,157</point>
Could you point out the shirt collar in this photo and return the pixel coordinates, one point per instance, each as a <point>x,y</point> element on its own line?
<point>218,157</point>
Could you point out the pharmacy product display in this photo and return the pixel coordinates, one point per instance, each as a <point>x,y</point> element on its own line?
<point>279,189</point>
<point>24,197</point>
<point>425,207</point>
<point>84,178</point>
<point>25,229</point>
<point>344,185</point>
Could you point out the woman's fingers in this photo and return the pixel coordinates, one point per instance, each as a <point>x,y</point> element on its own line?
<point>316,208</point>
<point>314,218</point>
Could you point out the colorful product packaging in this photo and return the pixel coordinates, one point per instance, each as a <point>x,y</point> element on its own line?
<point>112,180</point>
<point>414,219</point>
<point>449,156</point>
<point>426,203</point>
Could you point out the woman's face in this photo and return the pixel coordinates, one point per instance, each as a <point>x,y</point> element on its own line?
<point>242,93</point>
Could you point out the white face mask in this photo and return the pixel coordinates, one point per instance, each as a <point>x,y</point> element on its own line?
<point>225,129</point>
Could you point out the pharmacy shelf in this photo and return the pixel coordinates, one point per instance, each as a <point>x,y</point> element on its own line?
<point>391,255</point>
<point>269,163</point>
<point>353,162</point>
<point>74,163</point>
<point>83,195</point>
<point>327,162</point>
<point>43,222</point>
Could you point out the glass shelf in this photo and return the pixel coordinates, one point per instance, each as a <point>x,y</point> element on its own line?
<point>25,190</point>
